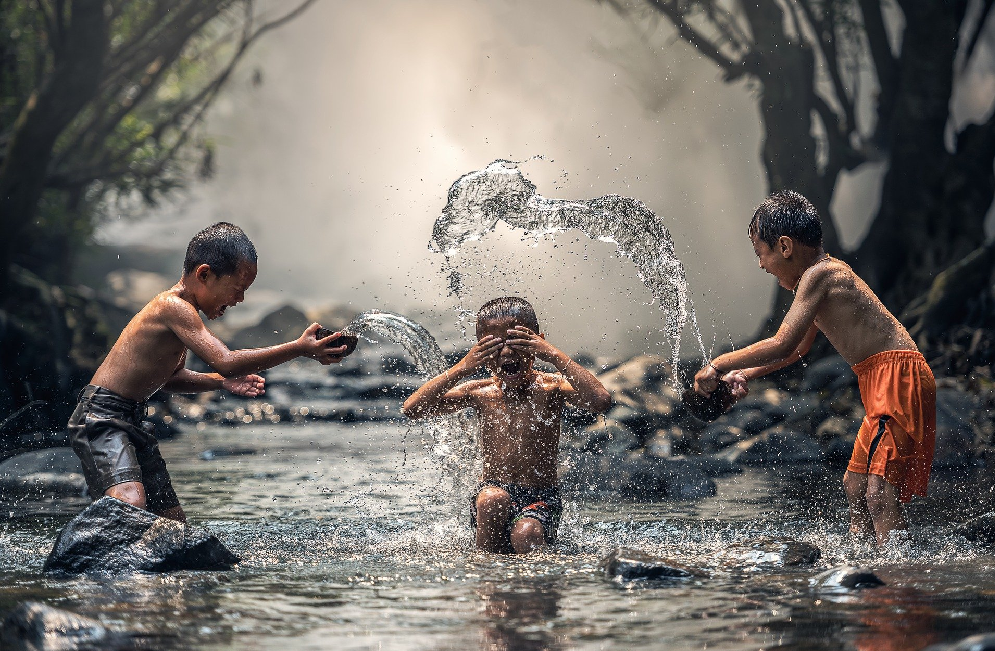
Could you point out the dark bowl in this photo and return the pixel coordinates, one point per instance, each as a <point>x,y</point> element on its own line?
<point>708,408</point>
<point>347,340</point>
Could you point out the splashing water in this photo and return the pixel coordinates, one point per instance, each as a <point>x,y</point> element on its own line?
<point>500,192</point>
<point>455,435</point>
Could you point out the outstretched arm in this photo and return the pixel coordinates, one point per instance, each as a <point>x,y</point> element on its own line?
<point>793,339</point>
<point>187,381</point>
<point>182,318</point>
<point>580,386</point>
<point>440,395</point>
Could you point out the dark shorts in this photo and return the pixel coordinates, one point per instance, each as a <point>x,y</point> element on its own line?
<point>116,445</point>
<point>542,504</point>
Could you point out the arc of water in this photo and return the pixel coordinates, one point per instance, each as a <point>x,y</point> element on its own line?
<point>477,201</point>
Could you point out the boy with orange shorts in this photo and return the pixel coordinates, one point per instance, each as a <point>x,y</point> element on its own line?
<point>894,449</point>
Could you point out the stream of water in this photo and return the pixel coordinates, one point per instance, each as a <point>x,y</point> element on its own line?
<point>347,544</point>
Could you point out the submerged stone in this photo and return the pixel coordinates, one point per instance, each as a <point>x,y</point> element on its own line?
<point>785,552</point>
<point>33,626</point>
<point>980,642</point>
<point>980,529</point>
<point>846,577</point>
<point>633,565</point>
<point>112,536</point>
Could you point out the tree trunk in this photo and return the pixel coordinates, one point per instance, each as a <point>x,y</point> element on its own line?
<point>57,101</point>
<point>929,215</point>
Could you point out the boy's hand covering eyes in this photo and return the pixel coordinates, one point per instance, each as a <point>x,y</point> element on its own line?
<point>249,386</point>
<point>324,350</point>
<point>522,339</point>
<point>486,348</point>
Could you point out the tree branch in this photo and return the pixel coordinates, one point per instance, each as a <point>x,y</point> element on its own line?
<point>885,65</point>
<point>979,27</point>
<point>734,69</point>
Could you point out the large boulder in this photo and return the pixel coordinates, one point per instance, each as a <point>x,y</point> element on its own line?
<point>33,626</point>
<point>55,472</point>
<point>638,475</point>
<point>610,438</point>
<point>720,435</point>
<point>632,565</point>
<point>281,325</point>
<point>776,446</point>
<point>828,373</point>
<point>113,536</point>
<point>637,373</point>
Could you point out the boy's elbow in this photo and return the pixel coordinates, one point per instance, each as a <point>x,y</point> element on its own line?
<point>602,402</point>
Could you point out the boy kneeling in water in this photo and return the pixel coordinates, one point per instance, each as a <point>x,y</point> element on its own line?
<point>119,451</point>
<point>517,505</point>
<point>894,448</point>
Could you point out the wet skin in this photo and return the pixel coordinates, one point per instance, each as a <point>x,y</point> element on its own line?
<point>831,298</point>
<point>519,409</point>
<point>150,353</point>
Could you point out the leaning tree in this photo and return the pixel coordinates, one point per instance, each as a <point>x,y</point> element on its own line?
<point>101,100</point>
<point>809,61</point>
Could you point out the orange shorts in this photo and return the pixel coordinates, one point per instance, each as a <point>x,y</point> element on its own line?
<point>898,435</point>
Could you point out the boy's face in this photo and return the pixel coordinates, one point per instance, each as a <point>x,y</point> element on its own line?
<point>513,368</point>
<point>775,260</point>
<point>218,293</point>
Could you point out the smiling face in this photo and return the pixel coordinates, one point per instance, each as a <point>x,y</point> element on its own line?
<point>775,261</point>
<point>513,368</point>
<point>217,293</point>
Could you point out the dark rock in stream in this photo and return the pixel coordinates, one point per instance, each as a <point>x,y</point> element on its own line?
<point>783,552</point>
<point>776,446</point>
<point>112,536</point>
<point>846,577</point>
<point>638,475</point>
<point>980,642</point>
<point>633,565</point>
<point>226,451</point>
<point>55,472</point>
<point>980,529</point>
<point>33,626</point>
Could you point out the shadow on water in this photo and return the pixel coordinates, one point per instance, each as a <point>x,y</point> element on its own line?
<point>348,544</point>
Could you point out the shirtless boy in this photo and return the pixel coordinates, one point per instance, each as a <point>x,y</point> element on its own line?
<point>894,449</point>
<point>119,452</point>
<point>517,505</point>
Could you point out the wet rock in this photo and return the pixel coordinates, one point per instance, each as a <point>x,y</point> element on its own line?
<point>33,626</point>
<point>784,552</point>
<point>754,421</point>
<point>712,465</point>
<point>840,449</point>
<point>836,426</point>
<point>226,451</point>
<point>824,372</point>
<point>611,438</point>
<point>719,436</point>
<point>283,324</point>
<point>954,429</point>
<point>846,577</point>
<point>980,529</point>
<point>633,565</point>
<point>55,472</point>
<point>981,642</point>
<point>671,478</point>
<point>636,373</point>
<point>112,536</point>
<point>776,446</point>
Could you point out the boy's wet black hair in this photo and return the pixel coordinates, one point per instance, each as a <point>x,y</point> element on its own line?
<point>508,306</point>
<point>787,213</point>
<point>221,246</point>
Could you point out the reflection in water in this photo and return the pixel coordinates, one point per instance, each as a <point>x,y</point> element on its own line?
<point>519,616</point>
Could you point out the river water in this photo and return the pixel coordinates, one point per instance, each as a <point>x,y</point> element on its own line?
<point>349,543</point>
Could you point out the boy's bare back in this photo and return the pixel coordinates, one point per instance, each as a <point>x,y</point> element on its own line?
<point>148,352</point>
<point>840,304</point>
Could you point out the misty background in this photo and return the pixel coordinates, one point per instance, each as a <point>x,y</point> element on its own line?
<point>338,140</point>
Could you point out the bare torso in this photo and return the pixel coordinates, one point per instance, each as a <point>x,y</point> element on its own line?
<point>853,318</point>
<point>520,430</point>
<point>146,354</point>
